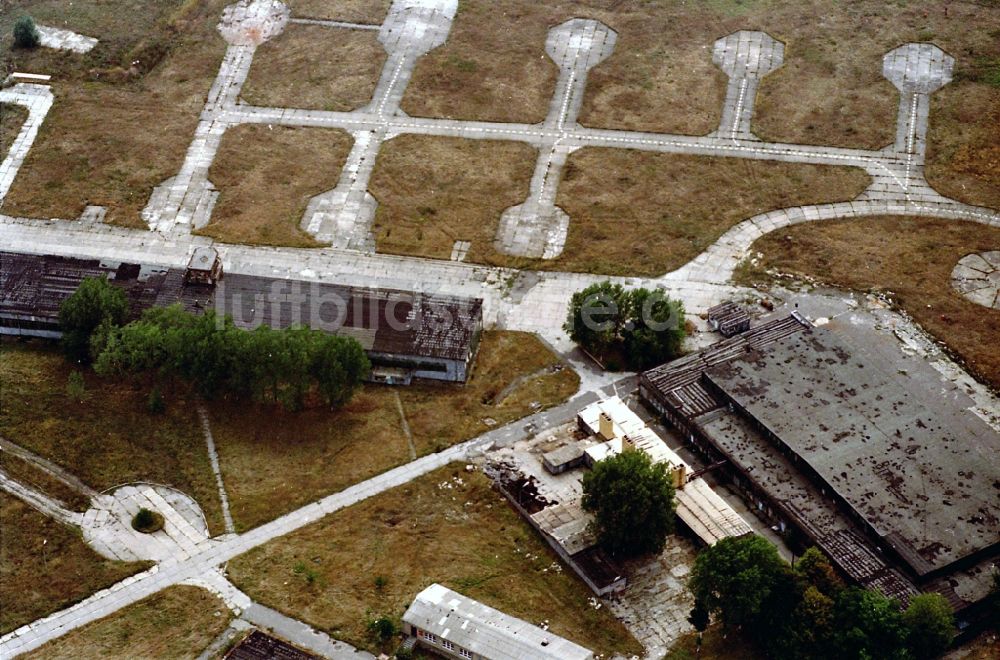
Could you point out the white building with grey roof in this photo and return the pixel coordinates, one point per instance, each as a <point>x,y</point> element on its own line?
<point>455,626</point>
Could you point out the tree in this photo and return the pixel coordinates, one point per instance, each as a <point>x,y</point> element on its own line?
<point>632,501</point>
<point>654,331</point>
<point>736,576</point>
<point>94,303</point>
<point>930,624</point>
<point>26,33</point>
<point>641,327</point>
<point>814,567</point>
<point>595,318</point>
<point>866,624</point>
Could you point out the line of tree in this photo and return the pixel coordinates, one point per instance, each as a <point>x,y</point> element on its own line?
<point>807,611</point>
<point>208,352</point>
<point>632,328</point>
<point>632,500</point>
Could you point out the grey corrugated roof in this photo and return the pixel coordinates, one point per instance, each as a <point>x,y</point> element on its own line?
<point>485,631</point>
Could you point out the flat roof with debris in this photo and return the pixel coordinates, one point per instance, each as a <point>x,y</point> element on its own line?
<point>923,473</point>
<point>484,631</point>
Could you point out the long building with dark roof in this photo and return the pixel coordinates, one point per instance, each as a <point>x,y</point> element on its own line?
<point>893,478</point>
<point>406,335</point>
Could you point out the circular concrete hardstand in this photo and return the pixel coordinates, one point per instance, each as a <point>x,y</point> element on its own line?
<point>977,277</point>
<point>107,525</point>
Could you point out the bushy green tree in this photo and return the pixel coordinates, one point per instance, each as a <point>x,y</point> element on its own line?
<point>26,33</point>
<point>866,624</point>
<point>632,501</point>
<point>930,623</point>
<point>95,303</point>
<point>736,577</point>
<point>641,326</point>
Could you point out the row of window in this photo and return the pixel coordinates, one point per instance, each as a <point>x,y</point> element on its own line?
<point>443,643</point>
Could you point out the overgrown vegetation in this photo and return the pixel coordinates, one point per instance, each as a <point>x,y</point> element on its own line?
<point>95,304</point>
<point>209,353</point>
<point>178,622</point>
<point>633,504</point>
<point>448,527</point>
<point>635,329</point>
<point>274,461</point>
<point>45,565</point>
<point>806,611</point>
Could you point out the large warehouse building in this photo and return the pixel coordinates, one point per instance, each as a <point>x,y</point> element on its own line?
<point>406,335</point>
<point>889,473</point>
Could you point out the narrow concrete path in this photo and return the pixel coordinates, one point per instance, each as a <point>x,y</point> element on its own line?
<point>406,425</point>
<point>48,467</point>
<point>38,100</point>
<point>39,501</point>
<point>199,567</point>
<point>213,457</point>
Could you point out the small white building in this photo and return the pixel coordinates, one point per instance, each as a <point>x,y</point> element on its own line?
<point>454,626</point>
<point>699,507</point>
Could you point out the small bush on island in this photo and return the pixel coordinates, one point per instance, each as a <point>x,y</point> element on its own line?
<point>147,521</point>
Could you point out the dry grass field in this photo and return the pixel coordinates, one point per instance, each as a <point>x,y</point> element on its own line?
<point>116,132</point>
<point>963,151</point>
<point>631,212</point>
<point>12,117</point>
<point>316,67</point>
<point>266,176</point>
<point>354,11</point>
<point>661,76</point>
<point>45,566</point>
<point>273,461</point>
<point>448,526</point>
<point>910,257</point>
<point>109,438</point>
<point>435,191</point>
<point>179,622</point>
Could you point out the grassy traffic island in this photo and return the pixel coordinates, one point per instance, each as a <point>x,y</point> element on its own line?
<point>147,522</point>
<point>368,561</point>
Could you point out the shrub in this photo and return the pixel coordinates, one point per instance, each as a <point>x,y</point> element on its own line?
<point>381,581</point>
<point>25,33</point>
<point>147,521</point>
<point>382,628</point>
<point>155,404</point>
<point>75,387</point>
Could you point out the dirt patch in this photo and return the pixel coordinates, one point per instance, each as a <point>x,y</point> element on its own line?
<point>107,439</point>
<point>910,257</point>
<point>112,136</point>
<point>266,176</point>
<point>371,12</point>
<point>435,191</point>
<point>178,622</point>
<point>45,565</point>
<point>314,67</point>
<point>449,527</point>
<point>12,118</point>
<point>274,461</point>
